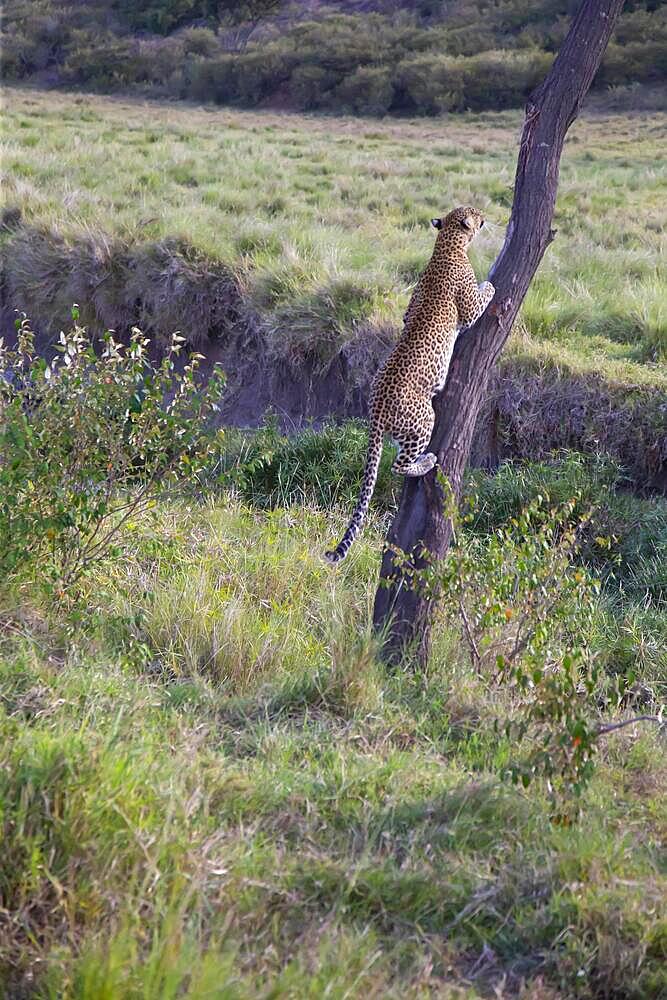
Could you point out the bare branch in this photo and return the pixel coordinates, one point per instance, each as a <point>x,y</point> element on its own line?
<point>477,659</point>
<point>611,727</point>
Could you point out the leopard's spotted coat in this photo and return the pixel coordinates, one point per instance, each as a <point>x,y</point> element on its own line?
<point>446,300</point>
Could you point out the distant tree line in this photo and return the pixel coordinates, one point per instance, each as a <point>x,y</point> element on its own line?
<point>423,57</point>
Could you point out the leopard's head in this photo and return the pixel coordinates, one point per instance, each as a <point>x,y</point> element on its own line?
<point>460,226</point>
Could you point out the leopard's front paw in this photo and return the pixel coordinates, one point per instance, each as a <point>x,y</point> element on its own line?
<point>487,291</point>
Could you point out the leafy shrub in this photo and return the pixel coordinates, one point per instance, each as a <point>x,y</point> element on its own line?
<point>103,61</point>
<point>514,76</point>
<point>259,74</point>
<point>212,79</point>
<point>311,87</point>
<point>248,78</point>
<point>525,607</point>
<point>637,61</point>
<point>89,441</point>
<point>341,43</point>
<point>36,37</point>
<point>161,16</point>
<point>199,42</point>
<point>19,56</point>
<point>160,62</point>
<point>427,84</point>
<point>431,83</point>
<point>368,91</point>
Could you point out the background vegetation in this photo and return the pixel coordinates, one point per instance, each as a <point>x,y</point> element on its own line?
<point>364,58</point>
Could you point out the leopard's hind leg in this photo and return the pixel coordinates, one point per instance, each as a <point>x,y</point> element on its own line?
<point>413,439</point>
<point>424,462</point>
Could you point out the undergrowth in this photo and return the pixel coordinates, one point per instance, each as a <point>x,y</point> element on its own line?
<point>213,787</point>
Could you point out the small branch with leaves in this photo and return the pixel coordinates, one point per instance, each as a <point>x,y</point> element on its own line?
<point>90,440</point>
<point>525,604</point>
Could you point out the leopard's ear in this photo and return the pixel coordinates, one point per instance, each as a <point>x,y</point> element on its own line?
<point>467,222</point>
<point>436,223</point>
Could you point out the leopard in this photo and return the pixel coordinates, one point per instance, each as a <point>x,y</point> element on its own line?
<point>445,301</point>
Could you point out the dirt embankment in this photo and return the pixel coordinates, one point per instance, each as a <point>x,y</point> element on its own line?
<point>531,409</point>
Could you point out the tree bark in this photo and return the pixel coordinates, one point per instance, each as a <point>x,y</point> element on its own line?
<point>402,614</point>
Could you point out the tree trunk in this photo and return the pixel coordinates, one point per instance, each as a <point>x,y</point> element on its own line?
<point>402,614</point>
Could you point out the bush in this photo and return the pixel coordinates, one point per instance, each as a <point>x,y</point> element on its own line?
<point>160,61</point>
<point>15,63</point>
<point>525,609</point>
<point>259,74</point>
<point>638,61</point>
<point>199,42</point>
<point>341,44</point>
<point>213,79</point>
<point>36,40</point>
<point>501,79</point>
<point>312,87</point>
<point>103,60</point>
<point>428,85</point>
<point>160,16</point>
<point>247,78</point>
<point>368,91</point>
<point>87,442</point>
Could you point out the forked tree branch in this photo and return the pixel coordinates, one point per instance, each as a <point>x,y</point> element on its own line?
<point>420,528</point>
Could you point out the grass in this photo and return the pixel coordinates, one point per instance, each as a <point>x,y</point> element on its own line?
<point>324,221</point>
<point>209,785</point>
<point>212,787</point>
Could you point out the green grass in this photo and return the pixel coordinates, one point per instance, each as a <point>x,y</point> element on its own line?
<point>324,221</point>
<point>212,787</point>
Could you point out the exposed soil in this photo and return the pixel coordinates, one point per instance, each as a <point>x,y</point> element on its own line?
<point>161,287</point>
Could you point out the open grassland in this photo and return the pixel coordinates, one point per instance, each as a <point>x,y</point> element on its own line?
<point>321,224</point>
<point>211,788</point>
<point>209,785</point>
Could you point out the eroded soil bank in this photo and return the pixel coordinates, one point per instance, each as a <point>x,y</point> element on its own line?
<point>532,408</point>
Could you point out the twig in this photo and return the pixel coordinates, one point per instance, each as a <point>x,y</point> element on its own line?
<point>612,726</point>
<point>470,637</point>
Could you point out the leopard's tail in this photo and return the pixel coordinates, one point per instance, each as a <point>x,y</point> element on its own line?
<point>370,478</point>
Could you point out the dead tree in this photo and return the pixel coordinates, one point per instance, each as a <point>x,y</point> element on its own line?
<point>420,529</point>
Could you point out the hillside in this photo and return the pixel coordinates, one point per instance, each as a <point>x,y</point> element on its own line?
<point>423,58</point>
